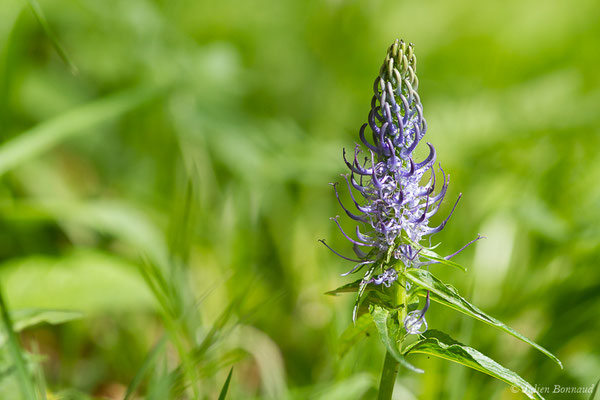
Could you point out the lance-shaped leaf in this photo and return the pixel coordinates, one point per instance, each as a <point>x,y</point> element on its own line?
<point>448,296</point>
<point>438,344</point>
<point>347,288</point>
<point>356,286</point>
<point>389,330</point>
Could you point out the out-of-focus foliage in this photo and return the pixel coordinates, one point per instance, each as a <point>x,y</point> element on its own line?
<point>164,170</point>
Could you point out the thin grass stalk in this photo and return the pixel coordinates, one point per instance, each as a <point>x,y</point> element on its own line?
<point>23,377</point>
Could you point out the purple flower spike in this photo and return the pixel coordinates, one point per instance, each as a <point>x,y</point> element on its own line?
<point>395,196</point>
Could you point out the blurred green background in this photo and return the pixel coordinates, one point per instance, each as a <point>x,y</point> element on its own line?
<point>164,172</point>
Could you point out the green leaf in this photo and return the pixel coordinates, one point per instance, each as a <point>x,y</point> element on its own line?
<point>81,276</point>
<point>438,344</point>
<point>225,386</point>
<point>25,318</point>
<point>347,288</point>
<point>448,296</point>
<point>355,287</point>
<point>389,330</point>
<point>363,326</point>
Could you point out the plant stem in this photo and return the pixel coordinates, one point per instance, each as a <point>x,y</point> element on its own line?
<point>388,377</point>
<point>390,365</point>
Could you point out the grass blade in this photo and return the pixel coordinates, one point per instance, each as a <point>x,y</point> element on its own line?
<point>25,382</point>
<point>223,393</point>
<point>135,383</point>
<point>48,133</point>
<point>39,14</point>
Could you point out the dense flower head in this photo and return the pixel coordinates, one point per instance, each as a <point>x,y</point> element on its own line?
<point>394,194</point>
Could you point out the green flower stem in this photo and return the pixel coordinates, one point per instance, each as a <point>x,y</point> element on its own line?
<point>390,364</point>
<point>388,377</point>
<point>402,300</point>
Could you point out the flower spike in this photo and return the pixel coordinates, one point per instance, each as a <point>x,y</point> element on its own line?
<point>396,206</point>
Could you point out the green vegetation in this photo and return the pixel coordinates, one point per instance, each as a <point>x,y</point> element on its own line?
<point>163,184</point>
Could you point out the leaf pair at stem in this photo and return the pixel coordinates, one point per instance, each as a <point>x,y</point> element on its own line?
<point>388,322</point>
